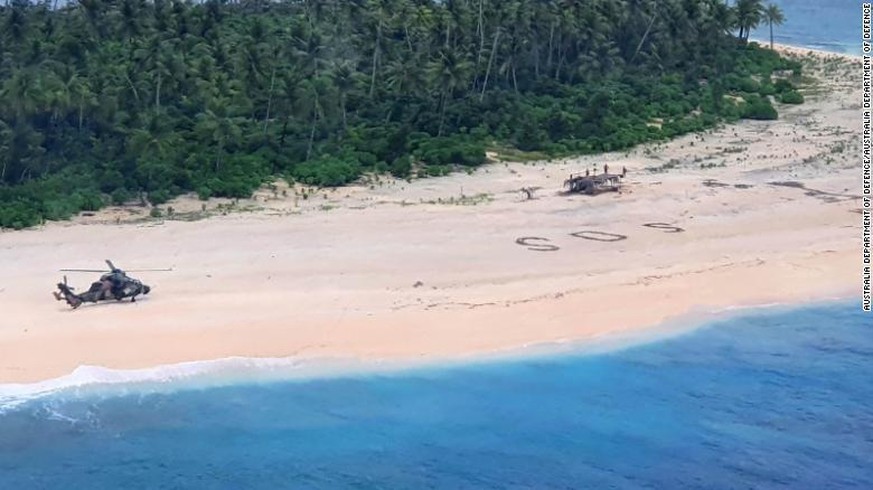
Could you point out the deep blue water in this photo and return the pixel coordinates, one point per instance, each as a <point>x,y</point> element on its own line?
<point>831,25</point>
<point>770,400</point>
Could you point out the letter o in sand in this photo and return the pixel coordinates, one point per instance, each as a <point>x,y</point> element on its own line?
<point>667,227</point>
<point>536,247</point>
<point>600,236</point>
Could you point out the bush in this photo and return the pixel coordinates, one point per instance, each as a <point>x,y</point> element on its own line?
<point>530,137</point>
<point>120,196</point>
<point>448,150</point>
<point>759,108</point>
<point>326,172</point>
<point>401,167</point>
<point>235,187</point>
<point>739,83</point>
<point>791,97</point>
<point>89,200</point>
<point>767,89</point>
<point>782,85</point>
<point>204,192</point>
<point>437,170</point>
<point>159,197</point>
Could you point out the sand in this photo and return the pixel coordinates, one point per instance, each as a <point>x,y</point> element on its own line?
<point>431,269</point>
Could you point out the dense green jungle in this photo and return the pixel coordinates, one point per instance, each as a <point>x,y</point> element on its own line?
<point>132,101</point>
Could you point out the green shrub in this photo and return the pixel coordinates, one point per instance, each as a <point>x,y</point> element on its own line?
<point>89,200</point>
<point>767,89</point>
<point>449,150</point>
<point>327,172</point>
<point>120,196</point>
<point>401,166</point>
<point>782,85</point>
<point>791,97</point>
<point>437,170</point>
<point>159,197</point>
<point>759,108</point>
<point>204,192</point>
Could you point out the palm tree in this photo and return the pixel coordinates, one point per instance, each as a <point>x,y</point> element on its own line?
<point>22,93</point>
<point>749,14</point>
<point>342,76</point>
<point>773,15</point>
<point>217,128</point>
<point>450,72</point>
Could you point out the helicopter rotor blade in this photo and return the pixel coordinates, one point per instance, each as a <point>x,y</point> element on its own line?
<point>168,269</point>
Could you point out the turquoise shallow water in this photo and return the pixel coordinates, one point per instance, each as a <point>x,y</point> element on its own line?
<point>766,400</point>
<point>830,25</point>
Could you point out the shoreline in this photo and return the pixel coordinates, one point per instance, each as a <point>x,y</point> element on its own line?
<point>431,269</point>
<point>217,373</point>
<point>804,49</point>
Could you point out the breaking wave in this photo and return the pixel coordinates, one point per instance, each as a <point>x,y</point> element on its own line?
<point>97,380</point>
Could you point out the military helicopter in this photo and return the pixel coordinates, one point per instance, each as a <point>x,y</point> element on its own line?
<point>114,284</point>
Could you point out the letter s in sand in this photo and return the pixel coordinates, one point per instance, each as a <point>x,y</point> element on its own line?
<point>536,247</point>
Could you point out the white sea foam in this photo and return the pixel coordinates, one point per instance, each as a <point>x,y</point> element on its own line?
<point>196,374</point>
<point>96,380</point>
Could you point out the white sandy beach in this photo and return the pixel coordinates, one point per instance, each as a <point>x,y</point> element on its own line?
<point>431,268</point>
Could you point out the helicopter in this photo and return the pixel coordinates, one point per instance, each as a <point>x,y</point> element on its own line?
<point>113,285</point>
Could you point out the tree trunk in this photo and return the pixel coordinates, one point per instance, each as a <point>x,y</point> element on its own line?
<point>312,130</point>
<point>284,132</point>
<point>132,87</point>
<point>448,32</point>
<point>551,41</point>
<point>771,34</point>
<point>442,113</point>
<point>640,45</point>
<point>343,108</point>
<point>560,64</point>
<point>269,100</point>
<point>375,56</point>
<point>217,156</point>
<point>480,29</point>
<point>536,57</point>
<point>408,38</point>
<point>490,60</point>
<point>158,93</point>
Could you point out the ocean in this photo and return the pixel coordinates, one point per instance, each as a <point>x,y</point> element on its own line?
<point>767,399</point>
<point>828,25</point>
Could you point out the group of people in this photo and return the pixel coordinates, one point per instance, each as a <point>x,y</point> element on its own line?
<point>605,171</point>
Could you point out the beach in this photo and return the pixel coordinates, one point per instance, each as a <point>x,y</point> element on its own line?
<point>754,213</point>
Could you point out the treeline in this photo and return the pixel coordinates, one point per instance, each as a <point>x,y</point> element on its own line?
<point>104,101</point>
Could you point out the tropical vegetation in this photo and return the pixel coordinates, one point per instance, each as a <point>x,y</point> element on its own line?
<point>113,101</point>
